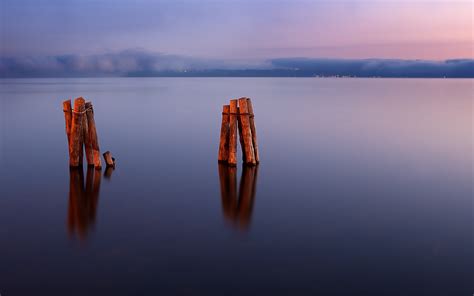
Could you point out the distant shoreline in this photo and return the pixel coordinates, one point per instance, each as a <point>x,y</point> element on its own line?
<point>142,64</point>
<point>296,77</point>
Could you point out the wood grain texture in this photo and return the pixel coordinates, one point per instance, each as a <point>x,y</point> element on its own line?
<point>246,133</point>
<point>109,160</point>
<point>253,130</point>
<point>87,141</point>
<point>232,160</point>
<point>241,138</point>
<point>224,139</point>
<point>92,136</point>
<point>67,109</point>
<point>76,140</point>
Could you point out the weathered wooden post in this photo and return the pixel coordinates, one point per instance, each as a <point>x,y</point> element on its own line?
<point>76,138</point>
<point>68,118</point>
<point>246,132</point>
<point>232,160</point>
<point>92,139</point>
<point>224,139</point>
<point>254,130</point>
<point>241,138</point>
<point>109,160</point>
<point>86,140</point>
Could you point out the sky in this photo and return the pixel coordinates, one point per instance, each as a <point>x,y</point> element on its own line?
<point>240,30</point>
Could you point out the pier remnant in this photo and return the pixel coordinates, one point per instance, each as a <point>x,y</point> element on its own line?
<point>241,114</point>
<point>81,133</point>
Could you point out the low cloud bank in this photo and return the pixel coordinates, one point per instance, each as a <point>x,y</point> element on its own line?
<point>143,63</point>
<point>377,67</point>
<point>108,64</point>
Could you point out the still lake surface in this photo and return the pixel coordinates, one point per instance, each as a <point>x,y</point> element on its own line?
<point>365,187</point>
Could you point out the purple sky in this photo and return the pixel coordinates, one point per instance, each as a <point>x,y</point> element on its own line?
<point>240,29</point>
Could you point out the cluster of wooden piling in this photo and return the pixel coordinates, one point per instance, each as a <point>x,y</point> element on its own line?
<point>238,115</point>
<point>82,135</point>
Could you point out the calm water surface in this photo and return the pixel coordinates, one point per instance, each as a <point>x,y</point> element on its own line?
<point>365,188</point>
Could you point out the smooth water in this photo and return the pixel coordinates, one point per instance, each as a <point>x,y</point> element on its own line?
<point>365,187</point>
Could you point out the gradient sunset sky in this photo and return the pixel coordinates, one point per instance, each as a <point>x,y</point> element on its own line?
<point>241,29</point>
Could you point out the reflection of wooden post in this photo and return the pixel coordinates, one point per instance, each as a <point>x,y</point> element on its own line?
<point>238,209</point>
<point>246,195</point>
<point>254,130</point>
<point>233,133</point>
<point>224,140</point>
<point>76,140</point>
<point>68,118</point>
<point>92,195</point>
<point>92,136</point>
<point>108,172</point>
<point>82,201</point>
<point>228,184</point>
<point>76,191</point>
<point>246,132</point>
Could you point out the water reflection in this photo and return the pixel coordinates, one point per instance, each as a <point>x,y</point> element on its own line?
<point>108,172</point>
<point>83,201</point>
<point>237,209</point>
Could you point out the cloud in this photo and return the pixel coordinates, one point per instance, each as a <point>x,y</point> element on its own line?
<point>107,64</point>
<point>136,62</point>
<point>377,67</point>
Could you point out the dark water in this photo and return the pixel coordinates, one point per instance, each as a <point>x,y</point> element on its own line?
<point>365,188</point>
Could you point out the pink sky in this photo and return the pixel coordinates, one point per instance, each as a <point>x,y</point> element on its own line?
<point>242,29</point>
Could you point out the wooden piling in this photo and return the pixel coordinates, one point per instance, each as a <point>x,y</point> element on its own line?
<point>246,132</point>
<point>76,138</point>
<point>253,130</point>
<point>92,136</point>
<point>68,119</point>
<point>224,140</point>
<point>86,139</point>
<point>109,160</point>
<point>232,159</point>
<point>241,138</point>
